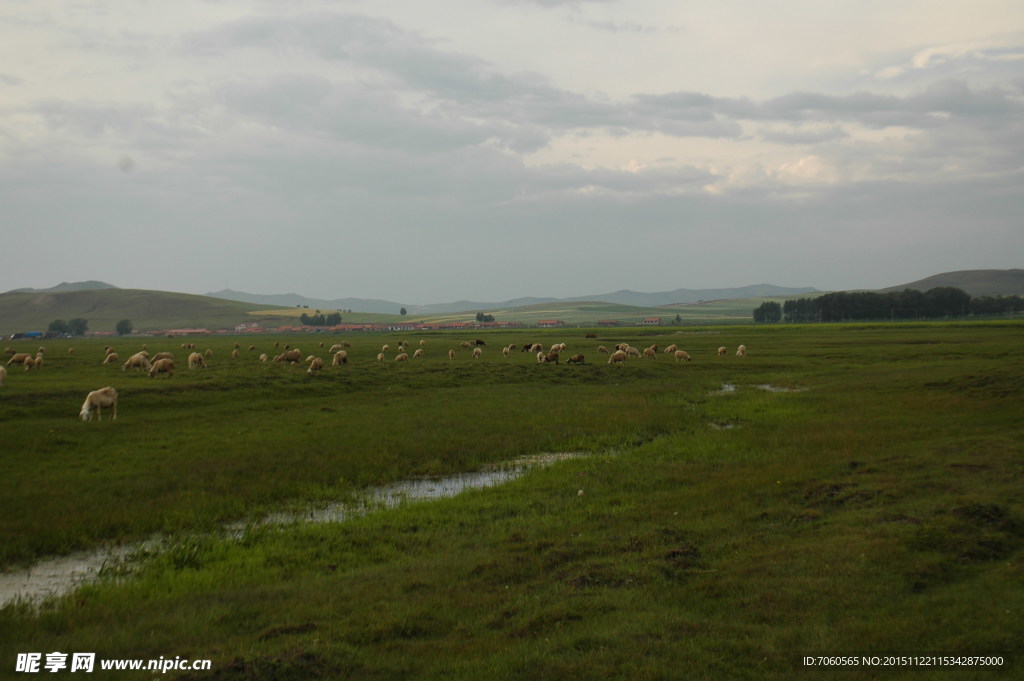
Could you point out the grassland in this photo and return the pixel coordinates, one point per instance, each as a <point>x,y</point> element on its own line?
<point>854,491</point>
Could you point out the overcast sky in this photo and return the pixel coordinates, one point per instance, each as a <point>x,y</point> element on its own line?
<point>426,152</point>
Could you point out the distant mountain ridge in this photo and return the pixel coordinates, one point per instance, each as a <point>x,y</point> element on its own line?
<point>622,297</point>
<point>64,286</point>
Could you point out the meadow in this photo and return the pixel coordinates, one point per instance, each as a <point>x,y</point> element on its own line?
<point>843,491</point>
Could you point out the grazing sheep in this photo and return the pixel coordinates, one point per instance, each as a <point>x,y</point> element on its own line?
<point>622,346</point>
<point>402,357</point>
<point>208,353</point>
<point>633,352</point>
<point>741,351</point>
<point>537,347</point>
<point>71,351</point>
<point>617,357</point>
<point>464,345</point>
<point>38,361</point>
<point>237,345</point>
<point>527,347</point>
<point>591,335</point>
<point>196,361</point>
<point>19,358</point>
<point>321,344</point>
<point>108,350</point>
<point>551,357</point>
<point>601,348</point>
<point>8,350</point>
<point>111,358</point>
<point>511,347</point>
<point>96,400</point>
<point>418,353</point>
<point>380,356</point>
<point>506,351</point>
<point>722,350</point>
<point>340,357</point>
<point>335,348</point>
<point>161,355</point>
<point>234,354</point>
<point>681,355</point>
<point>315,366</point>
<point>477,352</point>
<point>289,357</point>
<point>540,357</point>
<point>422,343</point>
<point>252,348</point>
<point>651,352</point>
<point>575,359</point>
<point>162,366</point>
<point>479,342</point>
<point>451,354</point>
<point>263,357</point>
<point>140,360</point>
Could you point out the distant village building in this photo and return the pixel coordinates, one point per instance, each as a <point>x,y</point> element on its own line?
<point>550,323</point>
<point>608,322</point>
<point>651,321</point>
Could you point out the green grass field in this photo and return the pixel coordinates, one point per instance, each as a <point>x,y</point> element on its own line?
<point>844,490</point>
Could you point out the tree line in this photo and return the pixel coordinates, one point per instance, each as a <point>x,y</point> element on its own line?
<point>320,319</point>
<point>942,302</point>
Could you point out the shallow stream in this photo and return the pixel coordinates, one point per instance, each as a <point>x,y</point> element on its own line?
<point>60,575</point>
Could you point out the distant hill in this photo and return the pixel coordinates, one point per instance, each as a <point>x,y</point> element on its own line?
<point>294,300</point>
<point>974,282</point>
<point>623,297</point>
<point>65,286</point>
<point>103,308</point>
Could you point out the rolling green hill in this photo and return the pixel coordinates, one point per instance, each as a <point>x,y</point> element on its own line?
<point>103,308</point>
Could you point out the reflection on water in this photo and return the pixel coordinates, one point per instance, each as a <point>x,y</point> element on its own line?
<point>57,576</point>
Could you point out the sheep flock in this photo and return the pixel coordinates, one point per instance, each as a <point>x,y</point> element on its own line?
<point>340,357</point>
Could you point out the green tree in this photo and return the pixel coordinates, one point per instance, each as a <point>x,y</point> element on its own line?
<point>403,312</point>
<point>78,326</point>
<point>769,312</point>
<point>124,327</point>
<point>59,326</point>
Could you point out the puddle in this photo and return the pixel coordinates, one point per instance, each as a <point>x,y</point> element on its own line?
<point>58,576</point>
<point>728,388</point>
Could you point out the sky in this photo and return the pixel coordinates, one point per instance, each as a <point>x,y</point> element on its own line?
<point>491,149</point>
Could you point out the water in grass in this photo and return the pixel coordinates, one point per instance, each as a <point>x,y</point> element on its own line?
<point>57,576</point>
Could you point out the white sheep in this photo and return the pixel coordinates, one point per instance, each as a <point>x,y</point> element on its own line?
<point>650,352</point>
<point>161,355</point>
<point>380,356</point>
<point>506,351</point>
<point>633,352</point>
<point>682,355</point>
<point>96,400</point>
<point>315,365</point>
<point>402,357</point>
<point>722,350</point>
<point>19,358</point>
<point>540,357</point>
<point>111,358</point>
<point>670,349</point>
<point>263,357</point>
<point>340,357</point>
<point>162,366</point>
<point>741,351</point>
<point>617,357</point>
<point>335,348</point>
<point>451,354</point>
<point>477,352</point>
<point>418,353</point>
<point>140,360</point>
<point>196,361</point>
